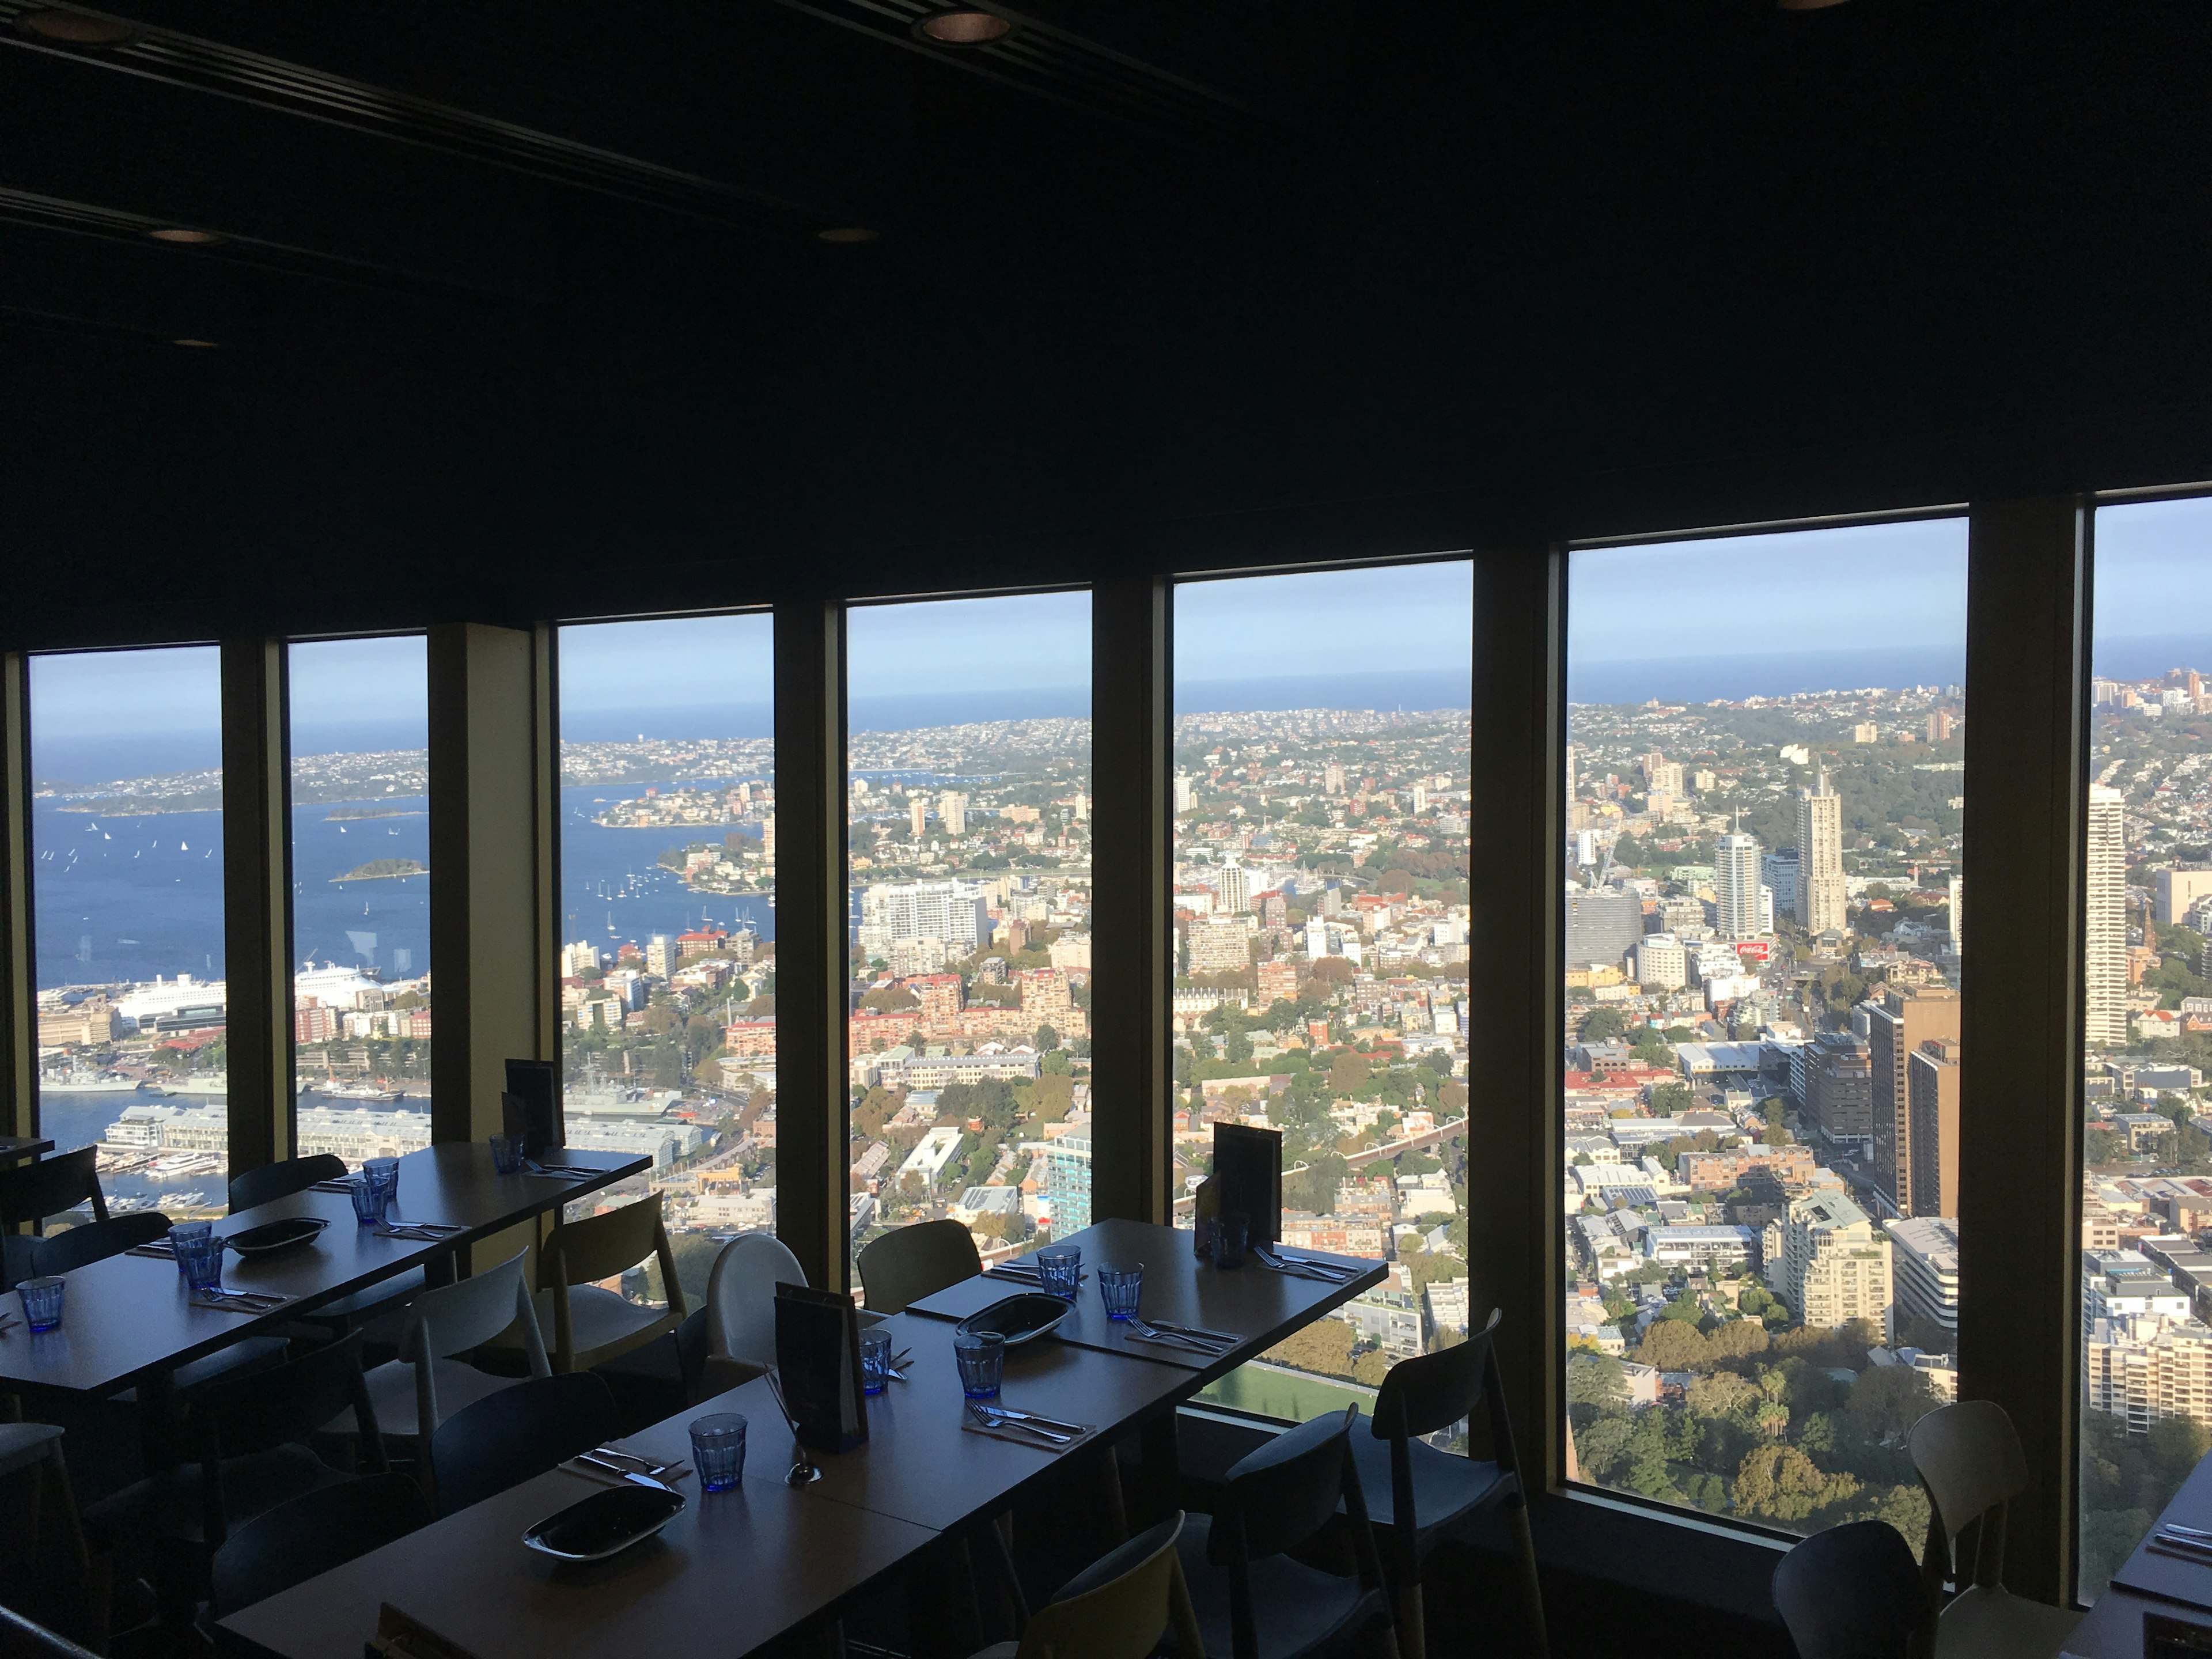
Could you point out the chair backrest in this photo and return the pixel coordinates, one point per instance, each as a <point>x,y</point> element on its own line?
<point>506,1437</point>
<point>77,1247</point>
<point>691,1354</point>
<point>1968,1455</point>
<point>600,1246</point>
<point>1119,1607</point>
<point>253,1410</point>
<point>1280,1496</point>
<point>273,1180</point>
<point>450,1319</point>
<point>905,1265</point>
<point>741,1296</point>
<point>311,1535</point>
<point>1432,1392</point>
<point>1852,1592</point>
<point>49,1185</point>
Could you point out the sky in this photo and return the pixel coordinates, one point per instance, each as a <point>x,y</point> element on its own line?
<point>2154,569</point>
<point>96,694</point>
<point>681,662</point>
<point>1833,589</point>
<point>1415,618</point>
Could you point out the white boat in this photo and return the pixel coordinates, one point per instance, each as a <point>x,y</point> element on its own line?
<point>199,1083</point>
<point>358,1091</point>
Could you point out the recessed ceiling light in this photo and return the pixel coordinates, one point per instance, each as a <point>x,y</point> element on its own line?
<point>964,28</point>
<point>75,28</point>
<point>185,236</point>
<point>196,345</point>
<point>847,234</point>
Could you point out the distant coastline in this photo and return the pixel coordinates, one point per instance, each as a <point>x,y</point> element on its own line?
<point>349,815</point>
<point>383,870</point>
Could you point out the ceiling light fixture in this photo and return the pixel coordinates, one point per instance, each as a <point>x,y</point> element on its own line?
<point>197,345</point>
<point>847,234</point>
<point>967,27</point>
<point>1805,5</point>
<point>185,237</point>
<point>75,28</point>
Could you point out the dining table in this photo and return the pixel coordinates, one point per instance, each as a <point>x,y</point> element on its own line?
<point>129,1321</point>
<point>740,1568</point>
<point>2152,1585</point>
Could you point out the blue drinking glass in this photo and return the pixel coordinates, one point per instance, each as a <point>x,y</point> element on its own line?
<point>182,1231</point>
<point>369,1200</point>
<point>506,1154</point>
<point>201,1261</point>
<point>1119,1289</point>
<point>718,1449</point>
<point>1231,1234</point>
<point>981,1357</point>
<point>875,1360</point>
<point>1059,1270</point>
<point>42,1302</point>
<point>382,1173</point>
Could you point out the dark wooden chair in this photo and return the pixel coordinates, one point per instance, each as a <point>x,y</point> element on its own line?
<point>269,1181</point>
<point>311,1535</point>
<point>29,1193</point>
<point>909,1263</point>
<point>1252,1600</point>
<point>1432,1491</point>
<point>250,1437</point>
<point>504,1439</point>
<point>1853,1592</point>
<point>80,1247</point>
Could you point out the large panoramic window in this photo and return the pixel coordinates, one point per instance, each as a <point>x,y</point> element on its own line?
<point>969,821</point>
<point>1321,908</point>
<point>1763,928</point>
<point>2146,1203</point>
<point>126,840</point>
<point>361,895</point>
<point>667,957</point>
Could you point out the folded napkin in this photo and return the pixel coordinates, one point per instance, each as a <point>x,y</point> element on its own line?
<point>331,1186</point>
<point>255,1306</point>
<point>609,1478</point>
<point>159,1248</point>
<point>1021,1436</point>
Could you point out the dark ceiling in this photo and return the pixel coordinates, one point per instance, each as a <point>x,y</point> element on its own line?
<point>526,307</point>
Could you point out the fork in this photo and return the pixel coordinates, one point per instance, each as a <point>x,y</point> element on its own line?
<point>1153,1333</point>
<point>994,1417</point>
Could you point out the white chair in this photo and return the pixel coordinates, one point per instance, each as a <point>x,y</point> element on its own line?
<point>1969,1457</point>
<point>741,1309</point>
<point>414,1393</point>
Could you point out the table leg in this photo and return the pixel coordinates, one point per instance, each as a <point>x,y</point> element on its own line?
<point>1159,1475</point>
<point>157,1420</point>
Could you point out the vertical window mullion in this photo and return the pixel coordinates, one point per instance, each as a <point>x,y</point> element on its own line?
<point>19,1047</point>
<point>2019,1112</point>
<point>257,851</point>
<point>811,935</point>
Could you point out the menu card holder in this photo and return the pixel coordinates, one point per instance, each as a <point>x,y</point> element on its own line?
<point>818,1359</point>
<point>529,1109</point>
<point>1247,1163</point>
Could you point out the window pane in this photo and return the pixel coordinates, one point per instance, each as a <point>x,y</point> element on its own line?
<point>126,832</point>
<point>1322,796</point>
<point>668,908</point>
<point>1765,805</point>
<point>969,820</point>
<point>360,895</point>
<point>2146,1198</point>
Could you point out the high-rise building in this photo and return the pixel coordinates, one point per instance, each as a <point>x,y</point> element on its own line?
<point>1924,1270</point>
<point>2173,892</point>
<point>1235,887</point>
<point>956,912</point>
<point>768,839</point>
<point>1940,724</point>
<point>1779,871</point>
<point>1832,1263</point>
<point>1931,1088</point>
<point>2105,929</point>
<point>662,956</point>
<point>917,812</point>
<point>1820,859</point>
<point>1735,886</point>
<point>1839,1092</point>
<point>1183,796</point>
<point>1332,778</point>
<point>953,813</point>
<point>1906,1016</point>
<point>1959,915</point>
<point>1866,732</point>
<point>1601,926</point>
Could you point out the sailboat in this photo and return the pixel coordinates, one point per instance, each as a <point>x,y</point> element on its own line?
<point>184,847</point>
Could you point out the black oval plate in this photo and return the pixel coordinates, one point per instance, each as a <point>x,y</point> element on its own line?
<point>274,1235</point>
<point>605,1523</point>
<point>1019,1319</point>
